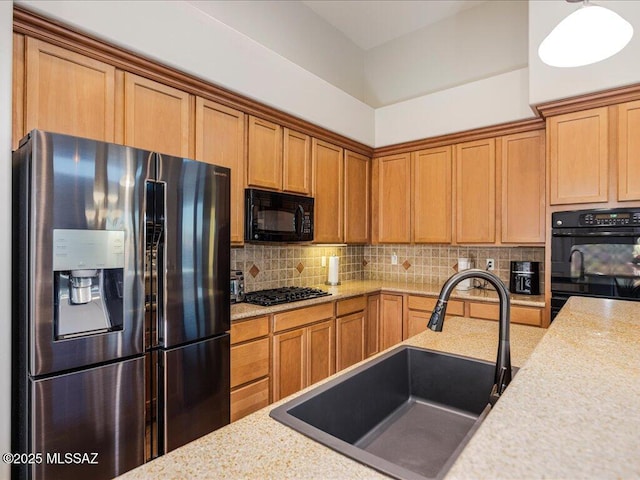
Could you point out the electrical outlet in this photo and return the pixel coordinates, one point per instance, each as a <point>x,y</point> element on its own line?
<point>490,264</point>
<point>394,259</point>
<point>323,261</point>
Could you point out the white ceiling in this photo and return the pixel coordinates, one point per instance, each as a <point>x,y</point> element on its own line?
<point>370,23</point>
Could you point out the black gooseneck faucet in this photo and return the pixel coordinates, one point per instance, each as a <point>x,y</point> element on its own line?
<point>503,363</point>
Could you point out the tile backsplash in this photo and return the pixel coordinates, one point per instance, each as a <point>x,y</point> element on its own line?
<point>434,263</point>
<point>270,266</point>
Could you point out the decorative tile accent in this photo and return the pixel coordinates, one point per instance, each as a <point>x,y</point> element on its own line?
<point>406,264</point>
<point>300,267</point>
<point>364,263</point>
<point>254,271</point>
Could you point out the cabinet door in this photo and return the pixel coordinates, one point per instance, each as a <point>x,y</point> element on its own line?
<point>578,157</point>
<point>320,351</point>
<point>431,195</point>
<point>18,93</point>
<point>156,117</point>
<point>264,159</point>
<point>523,180</point>
<point>357,188</point>
<point>68,93</point>
<point>350,340</point>
<point>416,322</point>
<point>328,191</point>
<point>392,199</point>
<point>220,141</point>
<point>372,326</point>
<point>296,161</point>
<point>390,320</point>
<point>629,151</point>
<point>476,192</point>
<point>289,363</point>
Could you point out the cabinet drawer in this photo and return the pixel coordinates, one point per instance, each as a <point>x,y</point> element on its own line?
<point>250,398</point>
<point>490,311</point>
<point>302,316</point>
<point>350,305</point>
<point>454,307</point>
<point>527,316</point>
<point>244,330</point>
<point>249,361</point>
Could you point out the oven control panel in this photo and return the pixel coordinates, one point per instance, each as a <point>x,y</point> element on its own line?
<point>610,219</point>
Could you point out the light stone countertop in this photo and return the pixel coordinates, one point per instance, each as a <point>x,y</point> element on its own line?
<point>352,288</point>
<point>572,411</point>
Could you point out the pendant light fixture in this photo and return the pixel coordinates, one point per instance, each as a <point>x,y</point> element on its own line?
<point>589,35</point>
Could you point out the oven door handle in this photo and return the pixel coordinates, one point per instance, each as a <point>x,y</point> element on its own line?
<point>595,234</point>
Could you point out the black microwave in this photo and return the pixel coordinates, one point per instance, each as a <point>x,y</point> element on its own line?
<point>277,217</point>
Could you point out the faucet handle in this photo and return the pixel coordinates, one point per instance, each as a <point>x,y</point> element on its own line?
<point>498,388</point>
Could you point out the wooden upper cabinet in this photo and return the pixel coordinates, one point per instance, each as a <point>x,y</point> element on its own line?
<point>328,192</point>
<point>156,117</point>
<point>629,151</point>
<point>264,159</point>
<point>523,188</point>
<point>357,188</point>
<point>18,86</point>
<point>476,191</point>
<point>578,157</point>
<point>391,193</point>
<point>220,141</point>
<point>296,162</point>
<point>431,195</point>
<point>68,93</point>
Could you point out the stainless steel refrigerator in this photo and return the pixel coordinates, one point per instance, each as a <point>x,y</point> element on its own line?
<point>121,305</point>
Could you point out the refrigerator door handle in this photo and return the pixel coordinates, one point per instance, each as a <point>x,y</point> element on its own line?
<point>154,261</point>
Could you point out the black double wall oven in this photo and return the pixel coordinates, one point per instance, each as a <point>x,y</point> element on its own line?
<point>595,253</point>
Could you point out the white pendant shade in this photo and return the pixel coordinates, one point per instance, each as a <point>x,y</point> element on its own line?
<point>588,35</point>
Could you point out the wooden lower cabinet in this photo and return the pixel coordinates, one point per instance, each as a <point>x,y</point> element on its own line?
<point>321,357</point>
<point>250,362</point>
<point>304,353</point>
<point>249,398</point>
<point>372,326</point>
<point>419,312</point>
<point>519,314</point>
<point>289,362</point>
<point>390,320</point>
<point>351,329</point>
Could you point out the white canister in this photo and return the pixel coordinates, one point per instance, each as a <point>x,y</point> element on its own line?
<point>465,264</point>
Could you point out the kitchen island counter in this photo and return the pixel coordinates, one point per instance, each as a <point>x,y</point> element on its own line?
<point>570,412</point>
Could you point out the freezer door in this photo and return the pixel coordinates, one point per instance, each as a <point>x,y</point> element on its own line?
<point>79,201</point>
<point>76,415</point>
<point>196,390</point>
<point>195,290</point>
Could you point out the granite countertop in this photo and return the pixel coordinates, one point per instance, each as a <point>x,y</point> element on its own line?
<point>352,288</point>
<point>572,410</point>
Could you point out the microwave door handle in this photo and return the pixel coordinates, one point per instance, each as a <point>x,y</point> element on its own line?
<point>299,219</point>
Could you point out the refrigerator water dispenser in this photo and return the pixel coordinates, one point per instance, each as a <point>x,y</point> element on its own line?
<point>88,274</point>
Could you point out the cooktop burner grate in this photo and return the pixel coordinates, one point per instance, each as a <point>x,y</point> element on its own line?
<point>276,296</point>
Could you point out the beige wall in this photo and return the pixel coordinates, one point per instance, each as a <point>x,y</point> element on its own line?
<point>487,40</point>
<point>6,16</point>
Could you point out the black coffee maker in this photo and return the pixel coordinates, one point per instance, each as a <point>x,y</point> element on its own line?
<point>525,278</point>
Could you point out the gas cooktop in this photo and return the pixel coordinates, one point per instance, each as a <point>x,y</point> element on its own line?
<point>276,296</point>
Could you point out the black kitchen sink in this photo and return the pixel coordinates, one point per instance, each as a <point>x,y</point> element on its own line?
<point>407,413</point>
